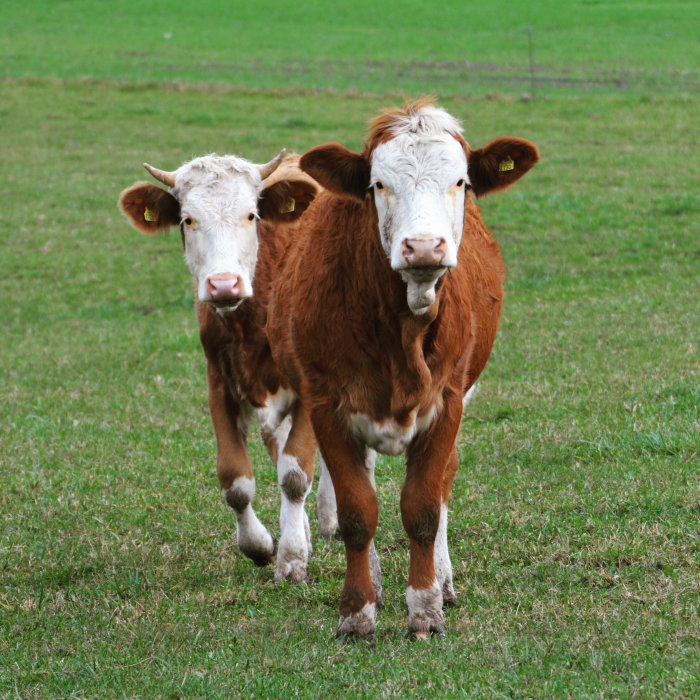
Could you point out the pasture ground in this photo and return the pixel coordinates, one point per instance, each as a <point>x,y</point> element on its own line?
<point>574,518</point>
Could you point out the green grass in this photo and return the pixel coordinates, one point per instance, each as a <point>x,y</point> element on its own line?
<point>456,48</point>
<point>574,531</point>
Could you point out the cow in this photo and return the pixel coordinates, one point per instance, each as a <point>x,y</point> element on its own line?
<point>383,318</point>
<point>235,220</point>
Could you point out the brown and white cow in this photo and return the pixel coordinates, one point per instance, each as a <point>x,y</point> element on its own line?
<point>235,227</point>
<point>383,318</point>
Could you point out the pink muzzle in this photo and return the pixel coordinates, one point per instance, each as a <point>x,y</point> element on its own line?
<point>224,289</point>
<point>424,252</point>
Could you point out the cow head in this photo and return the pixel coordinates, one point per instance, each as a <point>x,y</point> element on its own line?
<point>417,169</point>
<point>217,202</point>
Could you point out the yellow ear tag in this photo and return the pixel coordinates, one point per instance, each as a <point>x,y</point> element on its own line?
<point>291,205</point>
<point>506,165</point>
<point>148,215</point>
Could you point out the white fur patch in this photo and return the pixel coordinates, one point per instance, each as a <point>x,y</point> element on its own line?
<point>419,195</point>
<point>387,436</point>
<point>243,485</point>
<point>441,557</point>
<point>361,623</point>
<point>295,534</point>
<point>370,466</point>
<point>218,194</point>
<point>276,407</point>
<point>420,294</point>
<point>419,179</point>
<point>468,396</point>
<point>252,535</point>
<point>426,121</point>
<point>425,610</point>
<point>422,600</point>
<point>326,507</point>
<point>287,464</point>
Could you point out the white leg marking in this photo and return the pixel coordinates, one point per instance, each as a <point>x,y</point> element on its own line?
<point>441,559</point>
<point>295,538</point>
<point>468,396</point>
<point>375,572</point>
<point>360,624</point>
<point>370,464</point>
<point>425,611</point>
<point>326,508</point>
<point>375,569</point>
<point>252,536</point>
<point>281,433</point>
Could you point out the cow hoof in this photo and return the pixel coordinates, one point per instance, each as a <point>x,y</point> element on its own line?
<point>426,625</point>
<point>328,527</point>
<point>293,557</point>
<point>424,636</point>
<point>294,571</point>
<point>359,625</point>
<point>260,556</point>
<point>449,599</point>
<point>379,595</point>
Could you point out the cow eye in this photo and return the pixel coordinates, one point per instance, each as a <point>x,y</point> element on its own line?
<point>379,185</point>
<point>251,216</point>
<point>460,182</point>
<point>187,221</point>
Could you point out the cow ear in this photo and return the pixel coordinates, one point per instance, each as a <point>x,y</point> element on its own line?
<point>500,164</point>
<point>286,200</point>
<point>149,208</point>
<point>337,169</point>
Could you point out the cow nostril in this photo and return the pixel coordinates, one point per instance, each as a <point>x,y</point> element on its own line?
<point>224,286</point>
<point>424,251</point>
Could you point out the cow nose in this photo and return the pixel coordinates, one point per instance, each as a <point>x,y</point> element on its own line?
<point>424,252</point>
<point>224,287</point>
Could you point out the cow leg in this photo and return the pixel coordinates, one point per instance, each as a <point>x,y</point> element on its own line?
<point>326,508</point>
<point>271,444</point>
<point>375,568</point>
<point>295,473</point>
<point>421,511</point>
<point>441,558</point>
<point>357,521</point>
<point>327,515</point>
<point>231,419</point>
<point>443,565</point>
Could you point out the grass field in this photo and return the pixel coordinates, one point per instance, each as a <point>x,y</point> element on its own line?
<point>464,47</point>
<point>575,515</point>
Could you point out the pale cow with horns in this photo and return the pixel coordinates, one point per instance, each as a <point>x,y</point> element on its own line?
<point>234,219</point>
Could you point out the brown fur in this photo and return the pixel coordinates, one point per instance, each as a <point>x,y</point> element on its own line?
<point>163,207</point>
<point>341,330</point>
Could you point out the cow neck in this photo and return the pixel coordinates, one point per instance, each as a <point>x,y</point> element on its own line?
<point>240,322</point>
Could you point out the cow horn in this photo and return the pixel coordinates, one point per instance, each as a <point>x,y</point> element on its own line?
<point>161,175</point>
<point>269,168</point>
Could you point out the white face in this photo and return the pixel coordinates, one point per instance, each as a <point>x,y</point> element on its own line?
<point>218,203</point>
<point>419,184</point>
